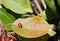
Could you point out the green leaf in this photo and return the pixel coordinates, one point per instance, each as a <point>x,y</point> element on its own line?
<point>6,18</point>
<point>59,2</point>
<point>49,15</point>
<point>51,4</point>
<point>43,14</point>
<point>18,6</point>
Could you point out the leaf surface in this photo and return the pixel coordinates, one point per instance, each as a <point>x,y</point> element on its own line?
<point>18,6</point>
<point>6,18</point>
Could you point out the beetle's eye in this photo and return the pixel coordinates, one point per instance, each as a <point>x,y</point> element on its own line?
<point>19,25</point>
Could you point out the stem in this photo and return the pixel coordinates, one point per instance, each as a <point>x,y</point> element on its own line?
<point>36,11</point>
<point>57,6</point>
<point>34,7</point>
<point>37,5</point>
<point>45,7</point>
<point>4,36</point>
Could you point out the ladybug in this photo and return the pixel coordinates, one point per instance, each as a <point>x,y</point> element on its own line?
<point>20,25</point>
